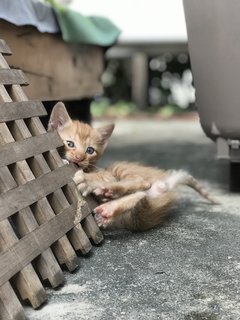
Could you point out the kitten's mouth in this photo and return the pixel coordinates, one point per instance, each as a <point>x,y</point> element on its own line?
<point>80,164</point>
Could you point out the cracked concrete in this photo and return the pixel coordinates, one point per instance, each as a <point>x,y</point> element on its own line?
<point>187,269</point>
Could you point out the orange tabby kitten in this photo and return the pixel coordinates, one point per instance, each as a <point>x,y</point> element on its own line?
<point>83,145</point>
<point>131,195</point>
<point>134,196</point>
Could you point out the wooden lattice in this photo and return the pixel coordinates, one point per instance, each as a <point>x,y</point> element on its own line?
<point>39,202</point>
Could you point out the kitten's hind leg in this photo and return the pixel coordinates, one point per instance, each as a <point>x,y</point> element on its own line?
<point>107,211</point>
<point>180,177</point>
<point>157,188</point>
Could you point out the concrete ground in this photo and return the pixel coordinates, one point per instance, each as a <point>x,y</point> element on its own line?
<point>189,268</point>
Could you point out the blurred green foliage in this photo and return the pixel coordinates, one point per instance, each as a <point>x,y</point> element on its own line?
<point>104,108</point>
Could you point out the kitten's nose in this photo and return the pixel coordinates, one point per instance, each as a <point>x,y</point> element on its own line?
<point>79,157</point>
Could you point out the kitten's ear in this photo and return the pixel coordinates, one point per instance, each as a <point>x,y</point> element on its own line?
<point>59,117</point>
<point>105,133</point>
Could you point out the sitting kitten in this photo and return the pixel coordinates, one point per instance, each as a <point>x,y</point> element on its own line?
<point>131,196</point>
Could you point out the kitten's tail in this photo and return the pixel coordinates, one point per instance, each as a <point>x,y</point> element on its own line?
<point>180,177</point>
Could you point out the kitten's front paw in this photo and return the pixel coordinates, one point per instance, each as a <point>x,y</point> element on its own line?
<point>82,185</point>
<point>65,161</point>
<point>104,192</point>
<point>79,177</point>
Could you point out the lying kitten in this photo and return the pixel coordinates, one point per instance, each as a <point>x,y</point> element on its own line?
<point>134,196</point>
<point>131,196</point>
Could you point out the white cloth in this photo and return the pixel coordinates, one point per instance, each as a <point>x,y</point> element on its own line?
<point>29,12</point>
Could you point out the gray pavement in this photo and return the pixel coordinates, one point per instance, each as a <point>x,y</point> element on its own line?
<point>189,268</point>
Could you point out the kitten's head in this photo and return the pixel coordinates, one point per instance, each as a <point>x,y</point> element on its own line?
<point>83,144</point>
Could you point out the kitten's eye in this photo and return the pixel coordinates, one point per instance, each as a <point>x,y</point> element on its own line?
<point>90,150</point>
<point>70,144</point>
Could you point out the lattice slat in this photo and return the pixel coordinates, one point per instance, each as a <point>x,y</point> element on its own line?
<point>4,48</point>
<point>9,77</point>
<point>18,198</point>
<point>24,149</point>
<point>42,216</point>
<point>10,307</point>
<point>21,110</point>
<point>46,234</point>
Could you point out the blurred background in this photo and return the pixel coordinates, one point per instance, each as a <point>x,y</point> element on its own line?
<point>120,59</point>
<point>147,71</point>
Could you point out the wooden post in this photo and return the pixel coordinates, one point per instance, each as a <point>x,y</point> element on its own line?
<point>140,80</point>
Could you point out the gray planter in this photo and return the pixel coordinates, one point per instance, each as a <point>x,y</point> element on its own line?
<point>213,28</point>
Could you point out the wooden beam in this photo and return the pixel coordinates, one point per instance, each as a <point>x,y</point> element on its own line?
<point>56,70</point>
<point>4,49</point>
<point>140,80</point>
<point>13,76</point>
<point>10,307</point>
<point>10,111</point>
<point>24,149</point>
<point>16,199</point>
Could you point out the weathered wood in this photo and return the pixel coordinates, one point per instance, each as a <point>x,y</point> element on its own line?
<point>10,307</point>
<point>6,180</point>
<point>3,93</point>
<point>40,239</point>
<point>10,111</point>
<point>58,200</point>
<point>62,248</point>
<point>9,77</point>
<point>44,205</point>
<point>4,49</point>
<point>35,165</point>
<point>79,239</point>
<point>49,80</point>
<point>53,159</point>
<point>20,150</point>
<point>77,236</point>
<point>36,127</point>
<point>49,268</point>
<point>27,282</point>
<point>14,200</point>
<point>26,222</point>
<point>90,227</point>
<point>46,263</point>
<point>29,286</point>
<point>65,253</point>
<point>3,63</point>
